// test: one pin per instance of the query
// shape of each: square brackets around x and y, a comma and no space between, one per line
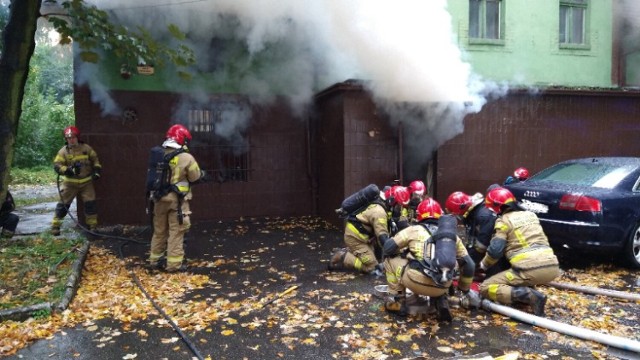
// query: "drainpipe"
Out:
[596,291]
[582,333]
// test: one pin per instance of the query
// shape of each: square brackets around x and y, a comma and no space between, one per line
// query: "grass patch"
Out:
[41,175]
[35,270]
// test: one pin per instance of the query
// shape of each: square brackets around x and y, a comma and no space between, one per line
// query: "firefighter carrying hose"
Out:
[366,230]
[519,237]
[423,257]
[79,165]
[171,212]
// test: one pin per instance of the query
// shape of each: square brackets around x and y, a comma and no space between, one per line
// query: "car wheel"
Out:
[632,250]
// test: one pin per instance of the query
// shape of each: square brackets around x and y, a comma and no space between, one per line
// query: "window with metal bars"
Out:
[219,133]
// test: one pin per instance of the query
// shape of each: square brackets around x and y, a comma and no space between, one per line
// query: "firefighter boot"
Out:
[526,295]
[337,259]
[397,305]
[55,230]
[443,313]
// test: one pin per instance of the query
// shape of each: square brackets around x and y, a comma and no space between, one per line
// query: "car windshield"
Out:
[600,175]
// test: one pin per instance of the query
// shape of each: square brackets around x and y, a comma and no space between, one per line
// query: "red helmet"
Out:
[458,203]
[428,209]
[496,198]
[417,187]
[397,195]
[521,174]
[70,131]
[179,134]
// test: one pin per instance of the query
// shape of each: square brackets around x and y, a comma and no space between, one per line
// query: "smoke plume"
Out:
[404,51]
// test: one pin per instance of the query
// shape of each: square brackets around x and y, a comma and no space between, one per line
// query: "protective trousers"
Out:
[401,276]
[361,255]
[86,192]
[168,232]
[498,287]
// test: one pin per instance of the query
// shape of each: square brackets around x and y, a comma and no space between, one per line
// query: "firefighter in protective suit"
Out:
[79,165]
[171,212]
[479,222]
[423,257]
[417,189]
[518,237]
[368,229]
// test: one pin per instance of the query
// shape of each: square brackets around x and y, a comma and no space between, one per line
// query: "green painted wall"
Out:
[530,54]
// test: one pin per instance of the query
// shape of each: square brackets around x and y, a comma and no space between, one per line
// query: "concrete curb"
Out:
[25,312]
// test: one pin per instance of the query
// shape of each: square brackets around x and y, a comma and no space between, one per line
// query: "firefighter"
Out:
[8,220]
[518,237]
[171,212]
[417,191]
[477,219]
[423,257]
[78,163]
[519,174]
[368,229]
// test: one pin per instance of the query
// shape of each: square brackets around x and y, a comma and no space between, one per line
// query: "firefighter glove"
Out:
[76,168]
[68,172]
[96,173]
[470,300]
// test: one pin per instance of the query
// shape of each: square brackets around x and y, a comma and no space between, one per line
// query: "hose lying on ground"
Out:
[596,291]
[582,333]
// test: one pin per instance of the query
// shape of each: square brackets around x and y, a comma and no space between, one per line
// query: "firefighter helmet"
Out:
[458,203]
[428,209]
[397,195]
[417,187]
[521,174]
[179,134]
[71,131]
[497,198]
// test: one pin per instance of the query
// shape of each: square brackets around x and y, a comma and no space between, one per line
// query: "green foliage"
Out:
[35,270]
[93,31]
[47,106]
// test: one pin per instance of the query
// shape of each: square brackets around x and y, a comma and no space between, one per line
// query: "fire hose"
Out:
[582,333]
[136,280]
[596,291]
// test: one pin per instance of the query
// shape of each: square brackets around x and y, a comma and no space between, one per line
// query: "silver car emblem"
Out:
[531,194]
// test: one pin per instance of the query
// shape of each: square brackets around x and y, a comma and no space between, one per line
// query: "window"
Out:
[220,132]
[485,19]
[573,19]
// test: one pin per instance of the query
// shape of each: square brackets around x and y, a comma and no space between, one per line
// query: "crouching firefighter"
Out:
[365,229]
[172,171]
[519,237]
[423,258]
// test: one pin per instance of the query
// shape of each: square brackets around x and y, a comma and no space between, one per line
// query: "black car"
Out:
[589,204]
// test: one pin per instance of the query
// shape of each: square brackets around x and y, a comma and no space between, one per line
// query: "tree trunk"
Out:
[18,45]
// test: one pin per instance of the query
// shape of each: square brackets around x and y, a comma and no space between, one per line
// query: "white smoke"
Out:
[404,51]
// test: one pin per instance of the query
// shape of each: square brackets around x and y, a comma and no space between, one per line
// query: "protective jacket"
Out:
[520,238]
[479,224]
[78,164]
[171,213]
[405,271]
[81,159]
[361,235]
[526,245]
